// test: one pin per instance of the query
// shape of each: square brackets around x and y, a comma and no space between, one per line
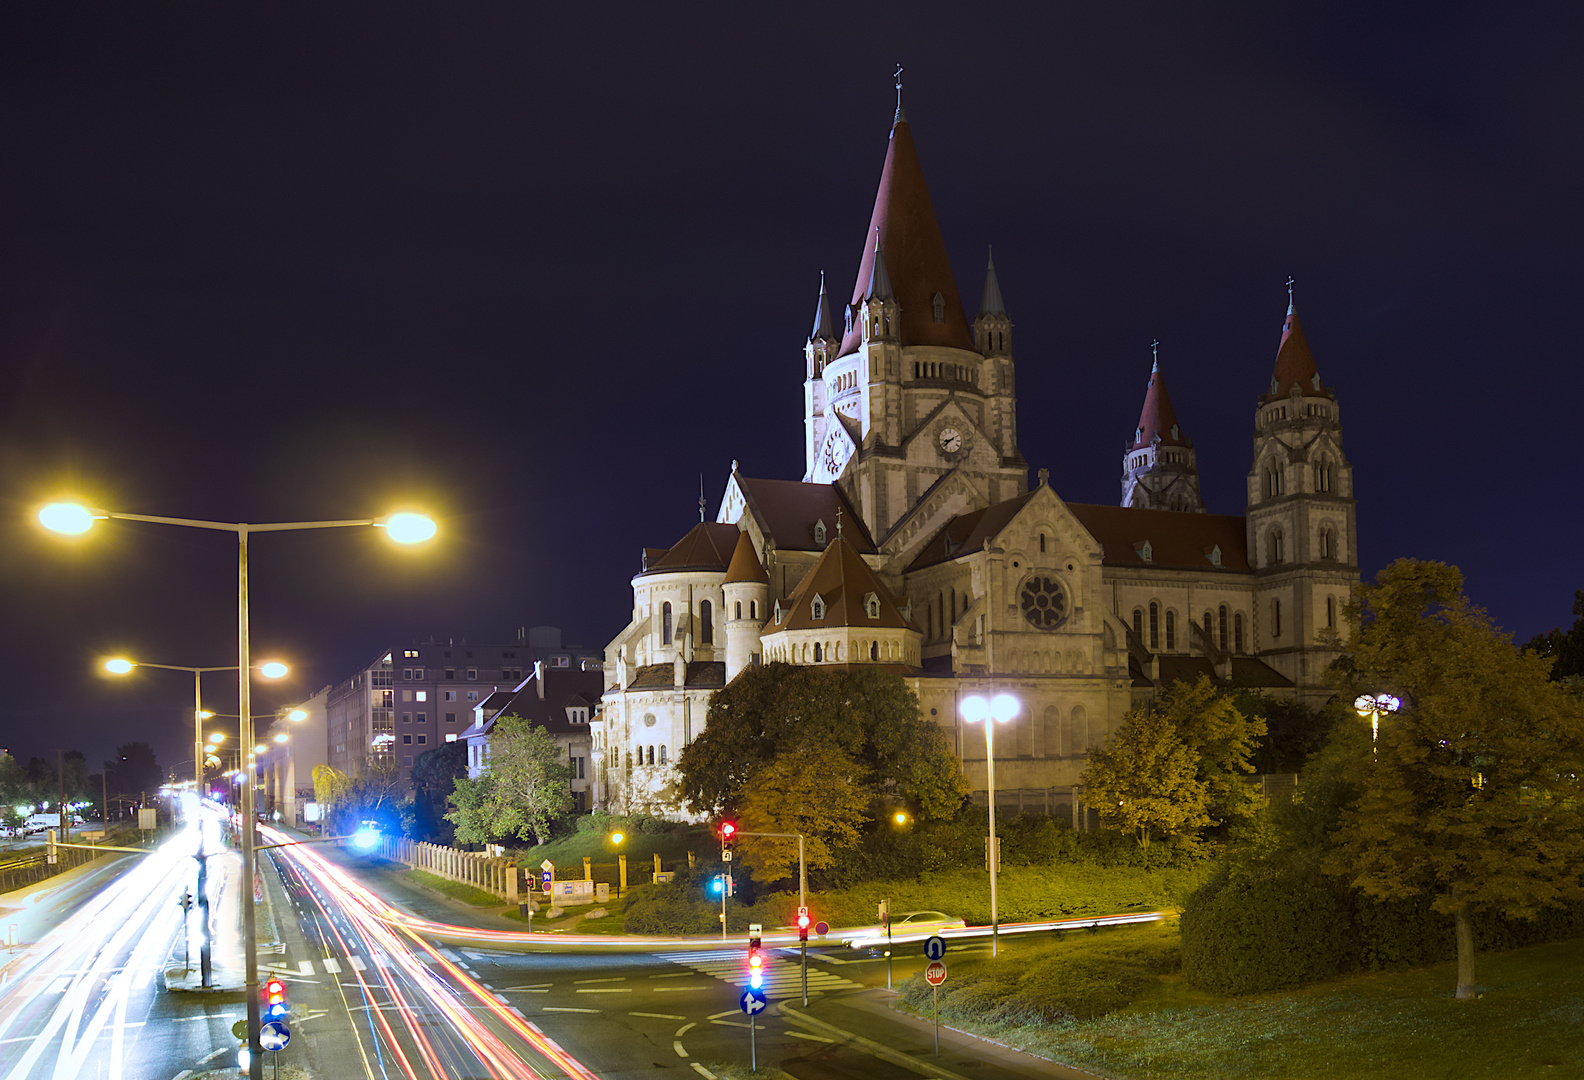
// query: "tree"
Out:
[869,716]
[434,777]
[1222,739]
[1565,650]
[527,788]
[13,781]
[134,769]
[1146,778]
[1471,795]
[819,792]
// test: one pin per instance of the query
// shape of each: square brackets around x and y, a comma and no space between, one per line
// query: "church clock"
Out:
[834,456]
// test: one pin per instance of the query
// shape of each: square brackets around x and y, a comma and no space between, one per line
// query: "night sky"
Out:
[536,272]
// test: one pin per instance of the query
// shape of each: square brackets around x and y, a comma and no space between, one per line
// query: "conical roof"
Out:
[1294,362]
[990,302]
[824,325]
[842,579]
[1157,417]
[879,277]
[707,546]
[745,564]
[915,253]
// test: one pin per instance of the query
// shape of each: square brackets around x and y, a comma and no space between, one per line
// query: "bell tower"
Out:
[1159,468]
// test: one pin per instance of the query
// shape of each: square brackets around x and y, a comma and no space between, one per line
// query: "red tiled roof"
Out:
[1177,541]
[1294,362]
[1157,416]
[745,564]
[914,253]
[707,546]
[700,675]
[788,509]
[967,533]
[842,580]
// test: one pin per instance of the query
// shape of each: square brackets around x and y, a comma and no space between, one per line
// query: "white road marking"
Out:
[519,1013]
[702,1071]
[581,982]
[677,989]
[810,1038]
[500,999]
[553,1008]
[305,967]
[677,1046]
[728,1012]
[603,990]
[212,1055]
[685,1028]
[183,1075]
[671,975]
[659,1016]
[207,1016]
[331,966]
[358,963]
[449,955]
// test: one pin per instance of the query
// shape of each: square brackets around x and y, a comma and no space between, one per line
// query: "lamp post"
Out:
[1372,706]
[72,518]
[998,710]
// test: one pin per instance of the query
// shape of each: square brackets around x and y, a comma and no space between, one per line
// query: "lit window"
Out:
[472,695]
[451,737]
[423,695]
[665,623]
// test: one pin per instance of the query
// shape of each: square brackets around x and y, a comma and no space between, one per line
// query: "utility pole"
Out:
[60,772]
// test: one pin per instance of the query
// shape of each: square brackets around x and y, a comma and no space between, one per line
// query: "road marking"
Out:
[212,1055]
[659,1016]
[207,1016]
[730,1023]
[702,1071]
[305,967]
[531,987]
[671,975]
[500,999]
[581,982]
[519,1013]
[677,1046]
[553,1008]
[183,1075]
[535,1027]
[604,990]
[449,955]
[486,986]
[142,979]
[331,966]
[728,1012]
[685,1028]
[358,963]
[810,1038]
[677,989]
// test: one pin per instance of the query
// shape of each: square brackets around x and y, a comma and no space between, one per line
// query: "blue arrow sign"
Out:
[935,947]
[274,1035]
[753,1001]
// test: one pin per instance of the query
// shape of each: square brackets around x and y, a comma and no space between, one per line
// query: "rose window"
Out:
[1044,603]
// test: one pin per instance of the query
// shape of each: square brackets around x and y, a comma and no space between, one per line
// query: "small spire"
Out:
[1155,352]
[879,279]
[824,325]
[702,503]
[838,522]
[1044,478]
[990,303]
[901,117]
[1291,307]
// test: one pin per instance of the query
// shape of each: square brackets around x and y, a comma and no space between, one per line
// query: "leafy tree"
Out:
[1565,650]
[434,776]
[868,716]
[1471,794]
[527,788]
[1222,738]
[330,788]
[1147,778]
[819,792]
[13,781]
[134,769]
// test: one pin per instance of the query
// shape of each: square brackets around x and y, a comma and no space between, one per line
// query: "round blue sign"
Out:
[753,1001]
[274,1035]
[935,947]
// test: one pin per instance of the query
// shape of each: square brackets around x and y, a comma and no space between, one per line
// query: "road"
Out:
[372,995]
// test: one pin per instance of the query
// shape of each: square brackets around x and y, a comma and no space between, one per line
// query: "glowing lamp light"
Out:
[282,737]
[728,829]
[715,886]
[297,716]
[900,818]
[273,670]
[756,970]
[260,748]
[118,666]
[365,838]
[409,528]
[617,837]
[66,518]
[217,738]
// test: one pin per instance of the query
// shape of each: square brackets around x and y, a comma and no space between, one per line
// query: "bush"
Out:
[667,910]
[1397,934]
[1261,933]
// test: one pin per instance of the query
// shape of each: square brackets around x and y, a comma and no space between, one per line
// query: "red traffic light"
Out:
[274,992]
[728,829]
[803,918]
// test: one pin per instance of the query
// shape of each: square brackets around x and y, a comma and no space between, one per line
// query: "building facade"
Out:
[561,700]
[914,541]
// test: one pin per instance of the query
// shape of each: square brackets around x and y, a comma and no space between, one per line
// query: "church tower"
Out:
[819,351]
[1159,467]
[1302,535]
[910,395]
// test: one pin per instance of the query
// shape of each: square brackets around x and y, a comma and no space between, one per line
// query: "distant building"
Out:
[410,699]
[287,767]
[563,701]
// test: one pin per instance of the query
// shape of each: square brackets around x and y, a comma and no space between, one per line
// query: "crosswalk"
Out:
[331,965]
[781,977]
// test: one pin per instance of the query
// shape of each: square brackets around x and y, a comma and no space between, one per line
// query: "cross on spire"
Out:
[1291,310]
[901,117]
[838,516]
[1155,355]
[702,502]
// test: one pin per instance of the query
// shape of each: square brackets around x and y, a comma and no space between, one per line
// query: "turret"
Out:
[1159,467]
[746,593]
[823,344]
[992,328]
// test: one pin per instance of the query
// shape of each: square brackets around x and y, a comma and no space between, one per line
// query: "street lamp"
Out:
[998,710]
[120,665]
[403,528]
[1372,706]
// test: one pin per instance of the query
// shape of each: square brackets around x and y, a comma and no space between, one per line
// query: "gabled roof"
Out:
[842,581]
[967,533]
[1247,671]
[1157,417]
[745,564]
[1177,541]
[1295,364]
[990,302]
[707,546]
[564,688]
[787,510]
[915,253]
[700,675]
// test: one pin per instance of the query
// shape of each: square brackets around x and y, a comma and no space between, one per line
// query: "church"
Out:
[914,542]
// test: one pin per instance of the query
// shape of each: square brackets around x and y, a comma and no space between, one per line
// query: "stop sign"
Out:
[935,974]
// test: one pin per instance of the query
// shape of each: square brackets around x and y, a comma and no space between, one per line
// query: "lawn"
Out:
[1364,1026]
[456,890]
[640,848]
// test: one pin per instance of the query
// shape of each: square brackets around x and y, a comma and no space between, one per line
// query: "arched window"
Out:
[738,609]
[706,623]
[874,650]
[1275,547]
[1275,618]
[1171,631]
[753,609]
[1237,632]
[1208,635]
[651,755]
[1331,613]
[1323,476]
[1273,480]
[1138,623]
[1042,543]
[1222,626]
[662,755]
[1327,545]
[665,623]
[1154,638]
[818,653]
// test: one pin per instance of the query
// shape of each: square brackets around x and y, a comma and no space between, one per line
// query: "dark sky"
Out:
[536,271]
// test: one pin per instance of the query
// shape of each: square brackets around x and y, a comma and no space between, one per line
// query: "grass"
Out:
[456,890]
[610,923]
[1364,1026]
[640,848]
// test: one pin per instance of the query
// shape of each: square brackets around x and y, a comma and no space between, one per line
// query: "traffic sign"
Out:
[726,855]
[753,1001]
[822,928]
[274,1036]
[239,1029]
[935,974]
[547,866]
[935,947]
[545,877]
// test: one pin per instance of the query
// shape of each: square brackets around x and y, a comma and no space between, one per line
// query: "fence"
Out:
[28,870]
[496,876]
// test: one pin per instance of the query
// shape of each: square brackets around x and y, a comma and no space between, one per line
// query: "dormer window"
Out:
[817,607]
[1214,555]
[872,605]
[1175,433]
[938,307]
[1145,551]
[849,330]
[819,533]
[778,614]
[1313,379]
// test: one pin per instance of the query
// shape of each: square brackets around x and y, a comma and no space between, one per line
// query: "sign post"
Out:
[273,1037]
[885,921]
[753,1003]
[547,875]
[935,974]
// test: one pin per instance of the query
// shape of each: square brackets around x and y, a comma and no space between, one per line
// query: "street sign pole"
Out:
[753,1044]
[935,1001]
[803,962]
[935,974]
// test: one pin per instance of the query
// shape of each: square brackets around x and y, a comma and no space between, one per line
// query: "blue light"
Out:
[715,887]
[756,980]
[365,839]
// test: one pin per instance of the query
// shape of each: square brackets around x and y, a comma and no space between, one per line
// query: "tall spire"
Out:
[901,117]
[1157,417]
[990,303]
[879,280]
[916,261]
[824,326]
[1295,364]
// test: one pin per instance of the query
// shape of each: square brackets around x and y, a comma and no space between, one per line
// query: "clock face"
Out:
[950,440]
[835,455]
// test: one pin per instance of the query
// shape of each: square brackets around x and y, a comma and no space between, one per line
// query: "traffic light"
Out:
[728,837]
[803,923]
[274,1000]
[755,957]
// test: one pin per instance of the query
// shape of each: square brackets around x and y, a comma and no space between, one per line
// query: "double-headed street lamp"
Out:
[271,670]
[72,518]
[997,710]
[1373,706]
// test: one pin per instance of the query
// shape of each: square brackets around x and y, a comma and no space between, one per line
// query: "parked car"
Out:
[37,823]
[905,926]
